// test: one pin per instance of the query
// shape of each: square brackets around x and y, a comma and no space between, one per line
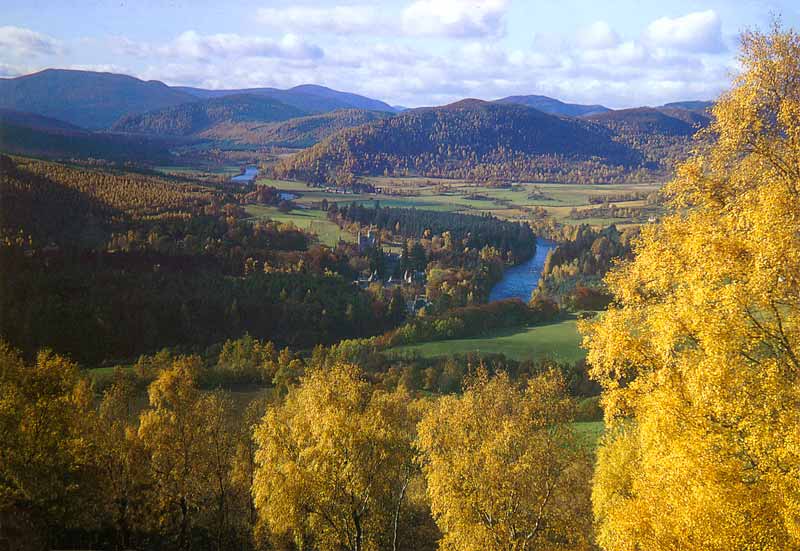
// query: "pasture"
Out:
[557,341]
[315,221]
[517,202]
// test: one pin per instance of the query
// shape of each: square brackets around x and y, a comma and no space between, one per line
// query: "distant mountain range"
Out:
[90,100]
[98,100]
[75,105]
[554,106]
[199,116]
[700,106]
[35,135]
[308,98]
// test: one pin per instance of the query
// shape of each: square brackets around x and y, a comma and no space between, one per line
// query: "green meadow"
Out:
[557,341]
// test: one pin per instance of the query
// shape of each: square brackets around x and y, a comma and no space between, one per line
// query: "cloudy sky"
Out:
[619,53]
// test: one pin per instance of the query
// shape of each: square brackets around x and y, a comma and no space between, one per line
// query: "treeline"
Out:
[514,240]
[650,196]
[464,322]
[108,265]
[481,141]
[198,116]
[96,310]
[136,194]
[339,463]
[612,211]
[573,271]
[296,133]
[471,321]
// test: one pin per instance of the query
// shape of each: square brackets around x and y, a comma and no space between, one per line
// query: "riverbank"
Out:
[520,281]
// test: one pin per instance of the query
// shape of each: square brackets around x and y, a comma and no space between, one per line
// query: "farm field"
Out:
[515,203]
[558,341]
[227,170]
[313,220]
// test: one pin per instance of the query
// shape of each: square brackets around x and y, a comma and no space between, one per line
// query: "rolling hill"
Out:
[662,135]
[554,106]
[84,98]
[699,106]
[309,98]
[468,139]
[38,136]
[95,101]
[201,116]
[294,133]
[651,121]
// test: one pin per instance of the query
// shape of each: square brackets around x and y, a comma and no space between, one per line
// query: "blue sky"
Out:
[619,53]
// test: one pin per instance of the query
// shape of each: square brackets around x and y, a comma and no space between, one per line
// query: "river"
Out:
[520,281]
[248,176]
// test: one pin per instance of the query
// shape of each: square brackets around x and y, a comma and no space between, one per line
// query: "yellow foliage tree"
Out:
[504,470]
[332,462]
[122,460]
[47,466]
[699,355]
[191,444]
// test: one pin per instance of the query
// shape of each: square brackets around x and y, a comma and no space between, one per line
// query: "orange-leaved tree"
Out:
[699,356]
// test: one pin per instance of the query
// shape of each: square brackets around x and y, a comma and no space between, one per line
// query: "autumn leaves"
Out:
[699,355]
[339,466]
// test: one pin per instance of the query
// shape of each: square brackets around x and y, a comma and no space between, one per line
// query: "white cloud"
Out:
[337,19]
[598,36]
[626,53]
[192,45]
[97,67]
[665,61]
[455,18]
[696,32]
[25,42]
[9,70]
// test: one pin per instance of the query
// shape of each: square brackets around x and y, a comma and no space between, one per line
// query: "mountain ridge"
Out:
[199,116]
[554,106]
[480,140]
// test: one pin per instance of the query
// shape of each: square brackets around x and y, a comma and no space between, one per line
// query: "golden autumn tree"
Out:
[172,436]
[123,471]
[504,470]
[332,461]
[47,465]
[699,356]
[191,442]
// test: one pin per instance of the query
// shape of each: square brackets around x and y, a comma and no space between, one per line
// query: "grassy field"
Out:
[558,341]
[227,170]
[460,196]
[313,220]
[589,431]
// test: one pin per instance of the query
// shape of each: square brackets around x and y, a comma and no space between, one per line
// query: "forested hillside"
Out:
[29,134]
[554,106]
[662,135]
[201,116]
[469,139]
[484,141]
[310,98]
[124,263]
[298,132]
[84,98]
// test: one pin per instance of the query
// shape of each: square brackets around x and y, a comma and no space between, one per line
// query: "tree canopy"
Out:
[698,356]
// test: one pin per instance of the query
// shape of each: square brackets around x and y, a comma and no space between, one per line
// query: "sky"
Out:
[619,53]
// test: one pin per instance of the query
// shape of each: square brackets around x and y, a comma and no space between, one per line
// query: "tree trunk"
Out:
[357,521]
[184,543]
[397,512]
